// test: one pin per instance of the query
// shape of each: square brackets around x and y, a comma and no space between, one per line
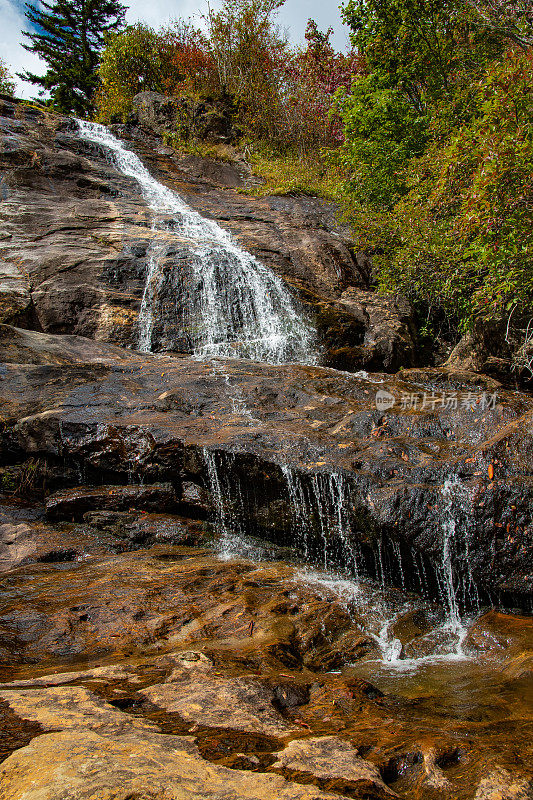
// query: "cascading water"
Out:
[456,506]
[202,288]
[448,542]
[322,532]
[225,302]
[321,509]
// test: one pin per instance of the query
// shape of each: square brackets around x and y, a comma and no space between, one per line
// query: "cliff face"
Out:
[76,233]
[391,477]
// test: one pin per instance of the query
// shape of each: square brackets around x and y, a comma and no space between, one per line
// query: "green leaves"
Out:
[382,132]
[464,231]
[439,144]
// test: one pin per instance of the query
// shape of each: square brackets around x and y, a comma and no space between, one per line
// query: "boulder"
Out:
[239,704]
[501,784]
[208,120]
[334,763]
[155,111]
[86,765]
[389,326]
[499,347]
[495,631]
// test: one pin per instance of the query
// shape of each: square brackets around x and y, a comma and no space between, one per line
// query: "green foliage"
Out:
[439,147]
[412,42]
[7,85]
[173,60]
[462,239]
[383,132]
[133,61]
[429,49]
[510,19]
[24,480]
[69,36]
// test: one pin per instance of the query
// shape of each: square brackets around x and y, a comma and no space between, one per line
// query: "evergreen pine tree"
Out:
[69,36]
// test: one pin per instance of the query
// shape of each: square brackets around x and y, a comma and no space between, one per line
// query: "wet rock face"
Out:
[207,681]
[88,766]
[76,239]
[207,677]
[334,762]
[26,537]
[150,601]
[72,243]
[74,503]
[302,445]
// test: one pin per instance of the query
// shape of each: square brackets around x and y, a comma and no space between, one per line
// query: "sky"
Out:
[293,17]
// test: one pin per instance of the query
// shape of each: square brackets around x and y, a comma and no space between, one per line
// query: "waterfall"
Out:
[224,301]
[320,512]
[203,289]
[455,574]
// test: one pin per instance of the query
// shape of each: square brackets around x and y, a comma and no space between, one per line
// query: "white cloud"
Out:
[293,16]
[161,12]
[295,13]
[11,50]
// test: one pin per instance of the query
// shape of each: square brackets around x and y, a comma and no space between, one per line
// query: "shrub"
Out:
[313,77]
[7,85]
[172,61]
[462,239]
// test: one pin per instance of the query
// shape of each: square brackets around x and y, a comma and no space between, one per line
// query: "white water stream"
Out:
[226,303]
[319,511]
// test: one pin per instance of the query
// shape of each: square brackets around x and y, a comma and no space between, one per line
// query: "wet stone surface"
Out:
[294,454]
[176,642]
[232,580]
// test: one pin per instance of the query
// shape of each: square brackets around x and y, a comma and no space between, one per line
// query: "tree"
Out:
[383,131]
[132,62]
[250,54]
[424,59]
[511,19]
[7,85]
[175,61]
[461,241]
[69,36]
